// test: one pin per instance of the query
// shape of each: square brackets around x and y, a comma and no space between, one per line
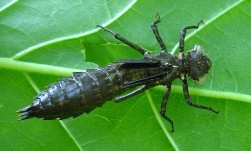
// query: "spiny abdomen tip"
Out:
[25,112]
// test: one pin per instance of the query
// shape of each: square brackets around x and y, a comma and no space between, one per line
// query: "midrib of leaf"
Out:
[211,93]
[11,64]
[61,71]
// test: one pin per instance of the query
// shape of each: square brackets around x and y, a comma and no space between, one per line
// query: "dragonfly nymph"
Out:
[84,91]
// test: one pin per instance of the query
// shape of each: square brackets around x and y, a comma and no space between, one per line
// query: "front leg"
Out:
[189,101]
[182,38]
[157,35]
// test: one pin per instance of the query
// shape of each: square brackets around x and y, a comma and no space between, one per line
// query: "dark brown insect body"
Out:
[84,91]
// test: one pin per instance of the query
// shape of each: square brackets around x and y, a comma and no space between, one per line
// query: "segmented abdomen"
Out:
[80,93]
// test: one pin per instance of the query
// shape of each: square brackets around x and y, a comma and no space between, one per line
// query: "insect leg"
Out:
[156,34]
[163,106]
[189,101]
[182,38]
[124,40]
[133,93]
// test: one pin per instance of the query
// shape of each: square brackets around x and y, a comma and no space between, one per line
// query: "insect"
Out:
[84,91]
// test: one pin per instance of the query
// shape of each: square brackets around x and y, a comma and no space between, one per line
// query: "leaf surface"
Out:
[42,41]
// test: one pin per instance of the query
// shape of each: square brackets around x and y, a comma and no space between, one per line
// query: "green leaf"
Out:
[42,41]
